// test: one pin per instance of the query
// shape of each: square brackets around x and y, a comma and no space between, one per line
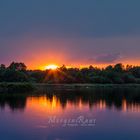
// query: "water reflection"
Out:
[14,102]
[56,100]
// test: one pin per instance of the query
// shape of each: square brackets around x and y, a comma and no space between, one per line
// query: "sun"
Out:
[51,67]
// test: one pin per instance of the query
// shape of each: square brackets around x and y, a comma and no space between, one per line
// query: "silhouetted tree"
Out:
[17,66]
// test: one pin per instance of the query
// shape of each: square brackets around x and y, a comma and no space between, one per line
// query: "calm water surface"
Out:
[27,116]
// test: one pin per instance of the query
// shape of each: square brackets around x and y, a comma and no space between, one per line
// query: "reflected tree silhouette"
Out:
[110,97]
[15,102]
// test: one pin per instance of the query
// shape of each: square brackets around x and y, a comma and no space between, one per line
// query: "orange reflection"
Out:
[130,107]
[44,104]
[53,106]
[56,106]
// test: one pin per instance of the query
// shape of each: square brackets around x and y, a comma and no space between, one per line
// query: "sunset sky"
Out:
[71,32]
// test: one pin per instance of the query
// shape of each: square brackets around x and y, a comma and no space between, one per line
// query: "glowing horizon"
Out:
[54,66]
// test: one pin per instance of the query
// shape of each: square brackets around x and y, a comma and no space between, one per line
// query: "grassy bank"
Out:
[16,87]
[63,87]
[86,85]
[28,87]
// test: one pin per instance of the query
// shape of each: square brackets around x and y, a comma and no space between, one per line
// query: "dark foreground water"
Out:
[86,114]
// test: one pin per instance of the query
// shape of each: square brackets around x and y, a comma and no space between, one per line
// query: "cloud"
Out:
[106,58]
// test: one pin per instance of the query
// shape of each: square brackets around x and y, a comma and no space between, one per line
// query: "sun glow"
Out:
[52,67]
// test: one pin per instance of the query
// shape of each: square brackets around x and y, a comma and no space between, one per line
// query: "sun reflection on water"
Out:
[55,106]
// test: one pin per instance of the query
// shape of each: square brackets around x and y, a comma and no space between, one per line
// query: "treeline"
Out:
[117,74]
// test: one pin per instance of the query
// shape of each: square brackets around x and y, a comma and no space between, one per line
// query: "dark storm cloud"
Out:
[69,18]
